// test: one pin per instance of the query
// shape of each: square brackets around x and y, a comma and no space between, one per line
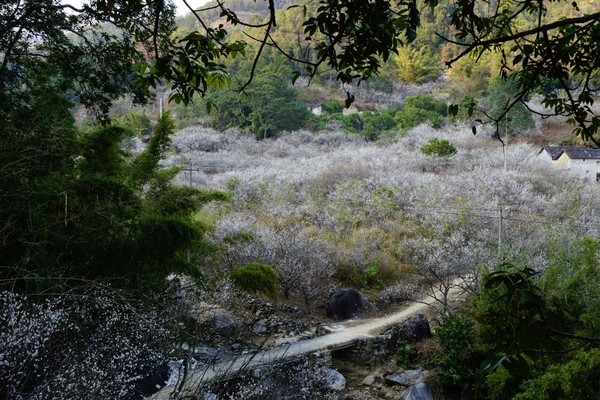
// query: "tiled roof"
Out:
[555,151]
[574,153]
[583,153]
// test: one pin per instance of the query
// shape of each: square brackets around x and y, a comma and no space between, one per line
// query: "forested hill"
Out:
[420,64]
[246,9]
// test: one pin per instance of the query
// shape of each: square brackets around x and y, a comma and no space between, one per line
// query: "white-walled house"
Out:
[584,162]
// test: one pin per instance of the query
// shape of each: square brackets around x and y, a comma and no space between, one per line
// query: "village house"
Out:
[584,162]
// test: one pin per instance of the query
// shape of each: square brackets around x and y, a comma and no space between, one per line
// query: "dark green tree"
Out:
[267,107]
[509,120]
[439,148]
[532,337]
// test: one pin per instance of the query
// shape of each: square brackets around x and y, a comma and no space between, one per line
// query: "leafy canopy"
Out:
[439,148]
[351,37]
[354,37]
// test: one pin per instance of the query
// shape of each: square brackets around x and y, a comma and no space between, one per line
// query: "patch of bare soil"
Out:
[555,131]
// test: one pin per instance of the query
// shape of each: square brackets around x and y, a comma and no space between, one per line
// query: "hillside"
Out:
[266,200]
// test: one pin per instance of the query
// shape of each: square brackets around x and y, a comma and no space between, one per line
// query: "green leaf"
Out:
[492,363]
[517,366]
[453,110]
[517,59]
[295,76]
[349,99]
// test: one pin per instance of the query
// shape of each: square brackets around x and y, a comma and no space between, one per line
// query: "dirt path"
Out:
[342,335]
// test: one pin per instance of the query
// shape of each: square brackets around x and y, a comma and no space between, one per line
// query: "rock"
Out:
[260,326]
[407,378]
[413,330]
[333,379]
[205,353]
[221,320]
[421,391]
[369,380]
[345,304]
[286,341]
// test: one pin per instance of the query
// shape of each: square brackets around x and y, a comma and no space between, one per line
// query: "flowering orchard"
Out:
[329,209]
[77,346]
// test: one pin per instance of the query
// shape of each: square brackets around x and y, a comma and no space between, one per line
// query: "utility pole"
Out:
[190,169]
[505,144]
[499,229]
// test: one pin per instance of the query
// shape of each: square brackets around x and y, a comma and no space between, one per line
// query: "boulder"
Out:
[410,377]
[369,380]
[260,326]
[205,353]
[333,379]
[221,320]
[413,330]
[421,391]
[345,304]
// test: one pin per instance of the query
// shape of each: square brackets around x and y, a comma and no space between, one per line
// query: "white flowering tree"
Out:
[91,344]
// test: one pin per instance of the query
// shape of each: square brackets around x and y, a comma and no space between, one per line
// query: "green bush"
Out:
[371,276]
[350,275]
[421,109]
[439,148]
[137,123]
[411,117]
[267,108]
[453,359]
[332,107]
[428,103]
[257,277]
[353,123]
[576,379]
[378,123]
[406,354]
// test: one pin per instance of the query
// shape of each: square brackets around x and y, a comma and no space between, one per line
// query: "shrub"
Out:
[406,354]
[575,379]
[257,277]
[136,123]
[353,123]
[371,278]
[349,275]
[452,361]
[332,107]
[427,102]
[422,109]
[411,117]
[439,148]
[377,123]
